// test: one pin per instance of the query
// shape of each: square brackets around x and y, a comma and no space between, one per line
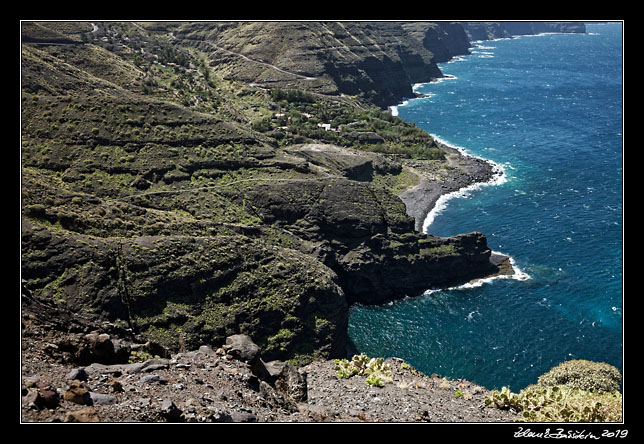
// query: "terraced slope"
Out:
[176,185]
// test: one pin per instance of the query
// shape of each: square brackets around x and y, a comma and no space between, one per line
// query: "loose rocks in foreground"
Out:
[233,384]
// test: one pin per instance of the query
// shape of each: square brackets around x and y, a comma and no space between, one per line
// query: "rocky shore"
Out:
[466,171]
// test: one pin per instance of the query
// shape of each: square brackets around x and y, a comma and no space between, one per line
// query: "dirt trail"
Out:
[269,65]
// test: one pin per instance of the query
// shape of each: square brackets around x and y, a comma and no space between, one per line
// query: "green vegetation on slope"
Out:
[573,391]
[145,176]
[300,117]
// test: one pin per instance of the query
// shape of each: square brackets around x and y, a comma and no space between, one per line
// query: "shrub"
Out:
[375,369]
[574,391]
[582,374]
[291,96]
[262,125]
[560,404]
[374,379]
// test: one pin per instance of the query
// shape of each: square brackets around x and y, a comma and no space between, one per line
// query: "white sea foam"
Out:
[481,53]
[517,274]
[478,42]
[499,177]
[445,77]
[394,108]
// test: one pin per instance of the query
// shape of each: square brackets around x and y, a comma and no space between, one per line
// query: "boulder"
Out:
[234,416]
[242,417]
[30,398]
[48,396]
[242,347]
[153,378]
[288,380]
[118,369]
[40,395]
[101,348]
[87,414]
[92,347]
[79,374]
[78,393]
[102,399]
[170,411]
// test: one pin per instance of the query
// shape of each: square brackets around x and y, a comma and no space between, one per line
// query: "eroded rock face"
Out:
[206,287]
[382,271]
[365,237]
[378,61]
[350,242]
[182,223]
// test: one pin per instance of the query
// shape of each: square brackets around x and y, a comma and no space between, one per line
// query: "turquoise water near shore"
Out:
[548,108]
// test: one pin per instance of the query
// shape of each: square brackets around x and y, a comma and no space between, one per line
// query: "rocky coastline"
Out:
[421,199]
[180,267]
[75,373]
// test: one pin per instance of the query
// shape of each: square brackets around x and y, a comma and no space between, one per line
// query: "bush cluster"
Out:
[574,391]
[292,96]
[365,129]
[376,371]
[582,374]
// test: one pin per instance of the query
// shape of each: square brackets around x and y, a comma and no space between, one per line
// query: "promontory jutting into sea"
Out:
[548,109]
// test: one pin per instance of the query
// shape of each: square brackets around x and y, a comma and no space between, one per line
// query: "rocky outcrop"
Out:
[444,40]
[181,291]
[338,161]
[365,237]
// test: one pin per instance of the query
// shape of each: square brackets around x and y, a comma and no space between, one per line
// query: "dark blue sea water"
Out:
[548,109]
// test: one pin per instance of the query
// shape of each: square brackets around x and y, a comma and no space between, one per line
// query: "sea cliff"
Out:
[497,30]
[187,194]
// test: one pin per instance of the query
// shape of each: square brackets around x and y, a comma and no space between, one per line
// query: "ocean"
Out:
[547,109]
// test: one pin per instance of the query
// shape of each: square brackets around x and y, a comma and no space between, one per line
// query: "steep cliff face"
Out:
[190,290]
[366,238]
[443,39]
[496,30]
[378,61]
[150,198]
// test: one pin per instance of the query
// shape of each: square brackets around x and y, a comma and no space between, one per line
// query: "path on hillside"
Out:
[269,65]
[209,187]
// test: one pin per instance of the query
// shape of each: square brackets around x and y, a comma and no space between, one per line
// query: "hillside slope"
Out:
[168,198]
